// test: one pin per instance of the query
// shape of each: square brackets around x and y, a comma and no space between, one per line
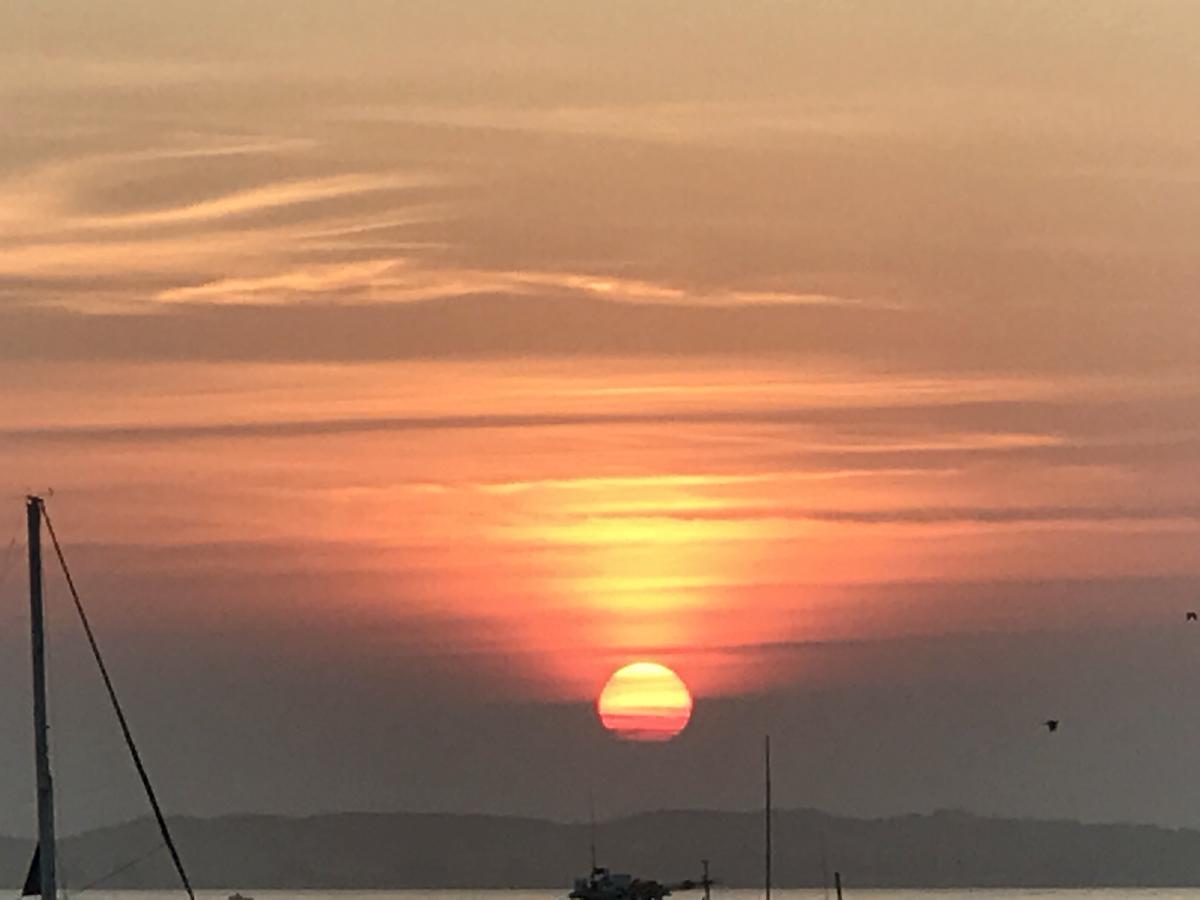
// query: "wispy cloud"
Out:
[990,515]
[258,200]
[399,280]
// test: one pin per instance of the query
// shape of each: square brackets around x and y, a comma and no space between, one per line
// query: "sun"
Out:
[644,701]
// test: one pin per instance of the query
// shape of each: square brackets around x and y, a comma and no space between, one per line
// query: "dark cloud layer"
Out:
[516,326]
[955,722]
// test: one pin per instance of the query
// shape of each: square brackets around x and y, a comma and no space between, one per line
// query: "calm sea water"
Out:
[988,894]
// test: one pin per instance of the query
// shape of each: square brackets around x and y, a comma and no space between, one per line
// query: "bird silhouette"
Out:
[1191,615]
[1051,725]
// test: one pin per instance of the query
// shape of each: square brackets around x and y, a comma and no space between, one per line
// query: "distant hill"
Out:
[409,850]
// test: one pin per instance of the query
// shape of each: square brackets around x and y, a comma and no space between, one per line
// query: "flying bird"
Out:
[1191,615]
[1051,725]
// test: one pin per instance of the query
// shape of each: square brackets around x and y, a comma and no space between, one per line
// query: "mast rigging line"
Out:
[116,705]
[124,867]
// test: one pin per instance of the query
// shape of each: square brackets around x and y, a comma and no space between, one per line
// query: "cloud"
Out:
[257,200]
[976,515]
[846,448]
[489,325]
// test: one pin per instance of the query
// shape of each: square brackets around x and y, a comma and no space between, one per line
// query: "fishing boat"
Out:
[603,884]
[42,878]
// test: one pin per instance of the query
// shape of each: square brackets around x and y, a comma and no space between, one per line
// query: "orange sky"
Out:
[548,337]
[689,512]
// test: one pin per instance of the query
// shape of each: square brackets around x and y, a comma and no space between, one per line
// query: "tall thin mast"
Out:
[767,814]
[41,736]
[592,827]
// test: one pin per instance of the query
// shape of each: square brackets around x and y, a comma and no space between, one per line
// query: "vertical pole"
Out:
[41,737]
[592,827]
[707,881]
[837,883]
[767,812]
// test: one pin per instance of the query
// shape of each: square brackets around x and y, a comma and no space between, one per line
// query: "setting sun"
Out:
[645,701]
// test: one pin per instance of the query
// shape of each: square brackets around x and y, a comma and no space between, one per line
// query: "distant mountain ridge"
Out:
[421,850]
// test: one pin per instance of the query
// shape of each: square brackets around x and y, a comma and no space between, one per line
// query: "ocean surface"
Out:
[849,893]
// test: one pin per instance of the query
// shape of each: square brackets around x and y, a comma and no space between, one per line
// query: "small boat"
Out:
[602,884]
[42,878]
[237,895]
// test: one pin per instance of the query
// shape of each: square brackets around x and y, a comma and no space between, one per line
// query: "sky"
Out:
[403,369]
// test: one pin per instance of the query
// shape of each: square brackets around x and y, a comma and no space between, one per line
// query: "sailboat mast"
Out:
[767,814]
[592,827]
[41,736]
